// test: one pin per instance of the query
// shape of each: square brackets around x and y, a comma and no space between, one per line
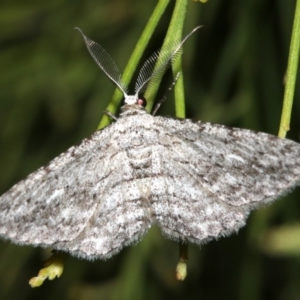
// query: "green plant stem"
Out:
[135,58]
[174,33]
[291,74]
[176,27]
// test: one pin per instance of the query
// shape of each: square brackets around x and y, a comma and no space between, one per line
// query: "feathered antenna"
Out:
[105,62]
[149,71]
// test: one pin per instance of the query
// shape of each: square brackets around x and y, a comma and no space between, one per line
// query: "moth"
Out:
[197,181]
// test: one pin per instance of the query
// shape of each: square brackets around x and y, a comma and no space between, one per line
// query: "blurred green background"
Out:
[52,95]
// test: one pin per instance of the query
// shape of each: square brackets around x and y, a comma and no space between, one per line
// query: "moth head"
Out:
[130,99]
[135,99]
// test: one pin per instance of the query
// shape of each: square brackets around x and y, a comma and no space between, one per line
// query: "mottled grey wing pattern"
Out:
[216,175]
[120,218]
[188,211]
[197,181]
[77,203]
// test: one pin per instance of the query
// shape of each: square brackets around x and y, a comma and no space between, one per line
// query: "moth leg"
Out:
[163,99]
[108,113]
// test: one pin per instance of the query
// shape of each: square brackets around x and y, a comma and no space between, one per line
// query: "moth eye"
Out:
[141,101]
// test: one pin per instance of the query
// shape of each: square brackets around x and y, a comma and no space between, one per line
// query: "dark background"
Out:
[52,95]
